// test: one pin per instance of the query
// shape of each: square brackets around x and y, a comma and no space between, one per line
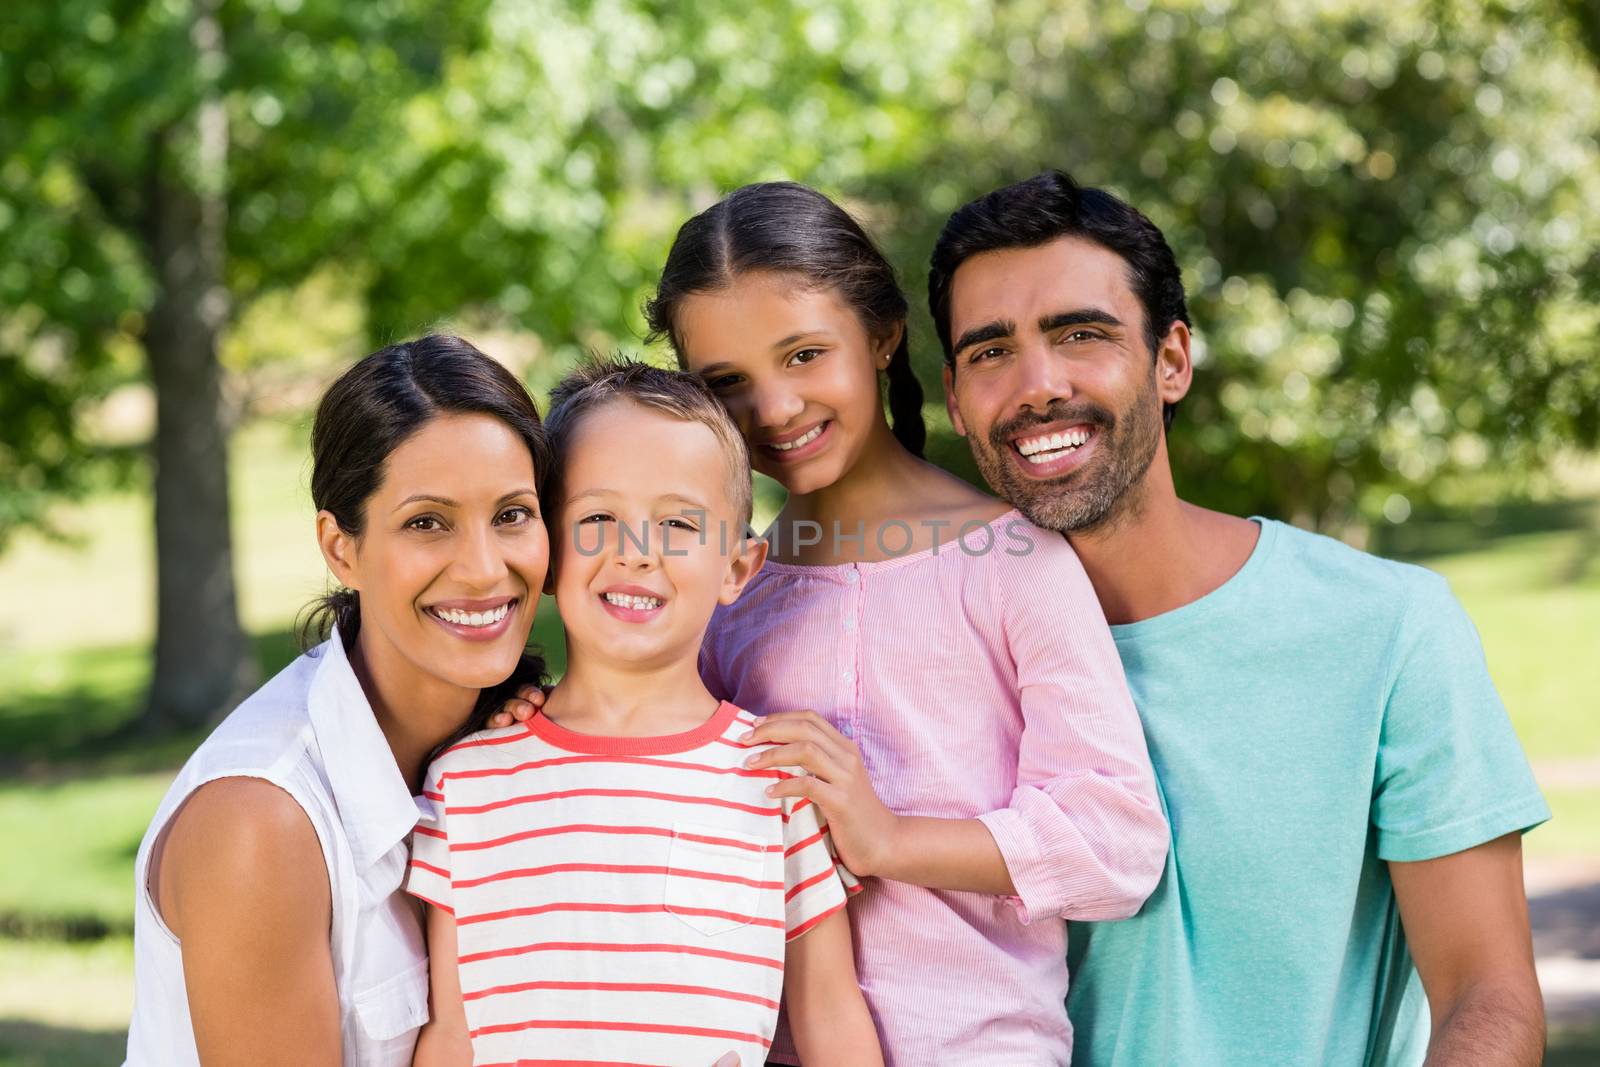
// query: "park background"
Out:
[1386,212]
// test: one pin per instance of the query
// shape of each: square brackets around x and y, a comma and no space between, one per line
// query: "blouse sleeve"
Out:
[1083,836]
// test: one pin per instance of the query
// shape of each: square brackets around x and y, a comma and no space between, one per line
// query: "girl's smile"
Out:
[799,445]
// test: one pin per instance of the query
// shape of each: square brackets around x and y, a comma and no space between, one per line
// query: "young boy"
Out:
[608,882]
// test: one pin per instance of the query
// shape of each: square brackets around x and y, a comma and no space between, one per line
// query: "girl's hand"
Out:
[864,830]
[520,708]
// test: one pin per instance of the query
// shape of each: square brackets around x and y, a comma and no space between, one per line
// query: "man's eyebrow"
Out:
[1090,316]
[989,331]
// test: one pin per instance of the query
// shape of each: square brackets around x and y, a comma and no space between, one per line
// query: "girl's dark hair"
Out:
[788,228]
[371,410]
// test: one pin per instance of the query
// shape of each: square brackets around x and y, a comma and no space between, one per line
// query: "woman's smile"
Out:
[475,620]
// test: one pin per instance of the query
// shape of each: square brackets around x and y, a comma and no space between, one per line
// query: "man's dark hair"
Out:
[1042,209]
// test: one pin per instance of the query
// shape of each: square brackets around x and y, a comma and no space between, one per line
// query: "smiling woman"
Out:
[268,922]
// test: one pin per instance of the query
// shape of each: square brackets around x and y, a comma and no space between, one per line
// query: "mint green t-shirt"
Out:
[1323,712]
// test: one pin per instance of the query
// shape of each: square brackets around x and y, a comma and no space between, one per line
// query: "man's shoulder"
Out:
[1348,573]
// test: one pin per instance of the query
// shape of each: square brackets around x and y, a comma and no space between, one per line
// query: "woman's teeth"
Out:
[637,603]
[1049,447]
[473,618]
[804,439]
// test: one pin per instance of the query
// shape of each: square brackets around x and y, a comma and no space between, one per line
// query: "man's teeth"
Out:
[637,603]
[804,439]
[473,618]
[1051,446]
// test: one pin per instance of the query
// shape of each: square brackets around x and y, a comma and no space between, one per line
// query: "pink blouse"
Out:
[980,680]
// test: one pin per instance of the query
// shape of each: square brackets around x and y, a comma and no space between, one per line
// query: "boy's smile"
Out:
[647,541]
[632,603]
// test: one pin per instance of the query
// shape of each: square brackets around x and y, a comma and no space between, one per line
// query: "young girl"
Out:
[269,926]
[974,746]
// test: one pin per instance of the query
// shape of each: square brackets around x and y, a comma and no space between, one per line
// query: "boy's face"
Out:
[646,542]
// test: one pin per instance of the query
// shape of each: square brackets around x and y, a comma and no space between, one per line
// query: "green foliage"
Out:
[96,98]
[1386,212]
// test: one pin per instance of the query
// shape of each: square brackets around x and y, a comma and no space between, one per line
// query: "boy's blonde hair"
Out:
[597,382]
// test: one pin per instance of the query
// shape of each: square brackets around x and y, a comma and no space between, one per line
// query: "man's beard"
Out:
[1089,496]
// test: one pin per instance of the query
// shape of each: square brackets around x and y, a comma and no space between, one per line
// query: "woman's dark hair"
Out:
[371,410]
[1038,211]
[787,228]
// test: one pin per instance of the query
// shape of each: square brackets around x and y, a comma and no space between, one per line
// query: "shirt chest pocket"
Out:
[714,878]
[387,1017]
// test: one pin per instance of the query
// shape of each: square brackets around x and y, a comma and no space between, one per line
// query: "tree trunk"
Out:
[203,661]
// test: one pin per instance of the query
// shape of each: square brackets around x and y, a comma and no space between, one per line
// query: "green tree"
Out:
[165,163]
[1386,211]
[1386,214]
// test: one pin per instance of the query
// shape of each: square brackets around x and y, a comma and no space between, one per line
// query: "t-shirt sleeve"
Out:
[428,876]
[1082,835]
[814,886]
[1451,773]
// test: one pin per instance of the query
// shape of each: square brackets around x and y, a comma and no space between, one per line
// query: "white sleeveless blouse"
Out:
[310,732]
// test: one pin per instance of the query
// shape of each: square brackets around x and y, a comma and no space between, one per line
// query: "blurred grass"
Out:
[80,837]
[97,589]
[1530,577]
[1574,826]
[1574,1048]
[78,794]
[64,1005]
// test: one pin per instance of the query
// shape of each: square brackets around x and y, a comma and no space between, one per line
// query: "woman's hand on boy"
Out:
[863,828]
[520,708]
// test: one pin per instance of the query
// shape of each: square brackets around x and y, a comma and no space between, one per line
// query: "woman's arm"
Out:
[444,1041]
[242,883]
[828,1017]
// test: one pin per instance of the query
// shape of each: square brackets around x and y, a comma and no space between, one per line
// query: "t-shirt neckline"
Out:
[1198,610]
[552,732]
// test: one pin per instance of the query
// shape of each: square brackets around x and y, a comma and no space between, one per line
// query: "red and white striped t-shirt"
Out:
[620,900]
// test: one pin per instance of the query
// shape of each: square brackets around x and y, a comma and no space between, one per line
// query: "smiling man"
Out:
[1345,791]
